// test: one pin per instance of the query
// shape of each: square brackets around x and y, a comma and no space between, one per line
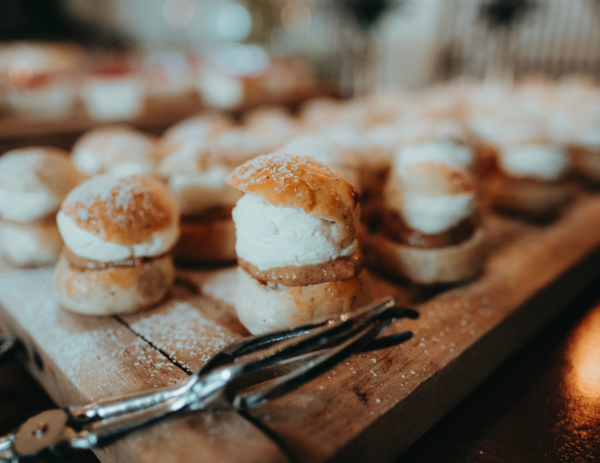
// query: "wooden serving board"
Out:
[370,408]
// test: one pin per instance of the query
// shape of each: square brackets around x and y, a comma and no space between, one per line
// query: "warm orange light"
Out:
[296,16]
[585,358]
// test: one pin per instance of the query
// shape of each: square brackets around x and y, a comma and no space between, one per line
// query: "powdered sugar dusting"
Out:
[279,167]
[183,333]
[99,356]
[132,203]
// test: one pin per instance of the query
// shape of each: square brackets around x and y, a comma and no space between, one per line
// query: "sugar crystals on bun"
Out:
[118,234]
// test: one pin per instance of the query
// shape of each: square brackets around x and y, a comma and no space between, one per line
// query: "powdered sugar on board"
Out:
[100,356]
[182,330]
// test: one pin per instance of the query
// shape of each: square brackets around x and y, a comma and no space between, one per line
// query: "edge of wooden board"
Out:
[379,444]
[135,365]
[525,284]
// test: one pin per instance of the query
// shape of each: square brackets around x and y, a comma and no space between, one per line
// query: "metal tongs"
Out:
[222,383]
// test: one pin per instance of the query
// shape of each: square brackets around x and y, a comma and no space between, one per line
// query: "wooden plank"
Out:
[80,359]
[371,407]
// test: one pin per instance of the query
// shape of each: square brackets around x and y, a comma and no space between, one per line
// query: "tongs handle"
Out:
[320,345]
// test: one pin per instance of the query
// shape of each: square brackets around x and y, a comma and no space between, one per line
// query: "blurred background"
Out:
[70,60]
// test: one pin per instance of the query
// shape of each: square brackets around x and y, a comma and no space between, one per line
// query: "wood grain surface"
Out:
[370,408]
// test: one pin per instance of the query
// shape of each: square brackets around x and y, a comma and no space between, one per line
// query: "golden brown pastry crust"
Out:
[292,181]
[530,197]
[115,290]
[450,264]
[124,210]
[261,308]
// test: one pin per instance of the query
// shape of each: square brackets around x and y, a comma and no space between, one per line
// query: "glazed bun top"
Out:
[34,181]
[118,150]
[135,213]
[304,183]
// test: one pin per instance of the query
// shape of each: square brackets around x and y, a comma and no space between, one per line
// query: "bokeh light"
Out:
[178,13]
[296,16]
[241,60]
[20,72]
[585,359]
[231,22]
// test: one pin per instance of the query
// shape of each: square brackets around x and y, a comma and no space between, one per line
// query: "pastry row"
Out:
[56,81]
[388,179]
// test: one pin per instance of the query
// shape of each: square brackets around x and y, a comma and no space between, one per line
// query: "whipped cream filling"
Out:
[27,206]
[89,246]
[269,236]
[536,161]
[199,191]
[440,151]
[436,214]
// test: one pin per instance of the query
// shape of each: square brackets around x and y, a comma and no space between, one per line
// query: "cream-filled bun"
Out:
[116,150]
[302,208]
[296,243]
[431,197]
[197,176]
[431,233]
[321,148]
[530,177]
[110,219]
[118,233]
[33,183]
[192,133]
